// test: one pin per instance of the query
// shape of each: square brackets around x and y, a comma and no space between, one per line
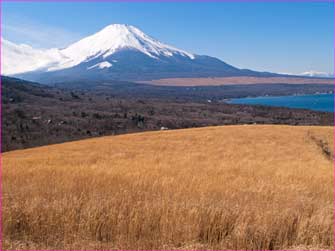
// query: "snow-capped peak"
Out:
[113,38]
[23,58]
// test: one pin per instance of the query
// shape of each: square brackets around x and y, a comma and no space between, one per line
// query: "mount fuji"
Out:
[117,52]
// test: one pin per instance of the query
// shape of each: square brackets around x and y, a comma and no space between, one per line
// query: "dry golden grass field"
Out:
[217,81]
[229,187]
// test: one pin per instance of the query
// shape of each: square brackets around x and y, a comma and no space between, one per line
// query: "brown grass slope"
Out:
[217,81]
[230,187]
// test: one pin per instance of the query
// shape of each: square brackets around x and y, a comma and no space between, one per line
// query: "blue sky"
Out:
[289,37]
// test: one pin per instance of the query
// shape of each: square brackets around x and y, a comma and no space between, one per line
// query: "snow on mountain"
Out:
[117,52]
[314,74]
[101,65]
[23,58]
[112,39]
[106,42]
[317,74]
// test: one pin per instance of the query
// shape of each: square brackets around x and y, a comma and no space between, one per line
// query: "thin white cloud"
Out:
[23,30]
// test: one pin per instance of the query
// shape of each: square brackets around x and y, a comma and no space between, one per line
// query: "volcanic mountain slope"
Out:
[115,52]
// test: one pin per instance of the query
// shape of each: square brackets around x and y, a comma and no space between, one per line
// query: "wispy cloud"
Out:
[23,30]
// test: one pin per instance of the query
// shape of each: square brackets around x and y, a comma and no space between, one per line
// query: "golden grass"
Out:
[217,81]
[230,187]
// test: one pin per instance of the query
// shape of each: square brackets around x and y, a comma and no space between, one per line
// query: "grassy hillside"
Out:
[230,187]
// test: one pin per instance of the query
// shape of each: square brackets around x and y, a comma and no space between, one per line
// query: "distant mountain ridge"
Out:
[317,74]
[117,52]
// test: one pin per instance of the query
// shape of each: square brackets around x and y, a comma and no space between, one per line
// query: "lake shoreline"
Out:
[323,102]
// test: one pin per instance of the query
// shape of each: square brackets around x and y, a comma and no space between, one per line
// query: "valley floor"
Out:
[35,115]
[241,80]
[229,187]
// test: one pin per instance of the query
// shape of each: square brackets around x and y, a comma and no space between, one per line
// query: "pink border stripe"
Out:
[334,137]
[0,129]
[169,250]
[175,1]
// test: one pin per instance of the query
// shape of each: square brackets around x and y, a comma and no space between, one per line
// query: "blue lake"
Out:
[317,102]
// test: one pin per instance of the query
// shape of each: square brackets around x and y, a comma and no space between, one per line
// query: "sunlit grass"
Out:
[231,187]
